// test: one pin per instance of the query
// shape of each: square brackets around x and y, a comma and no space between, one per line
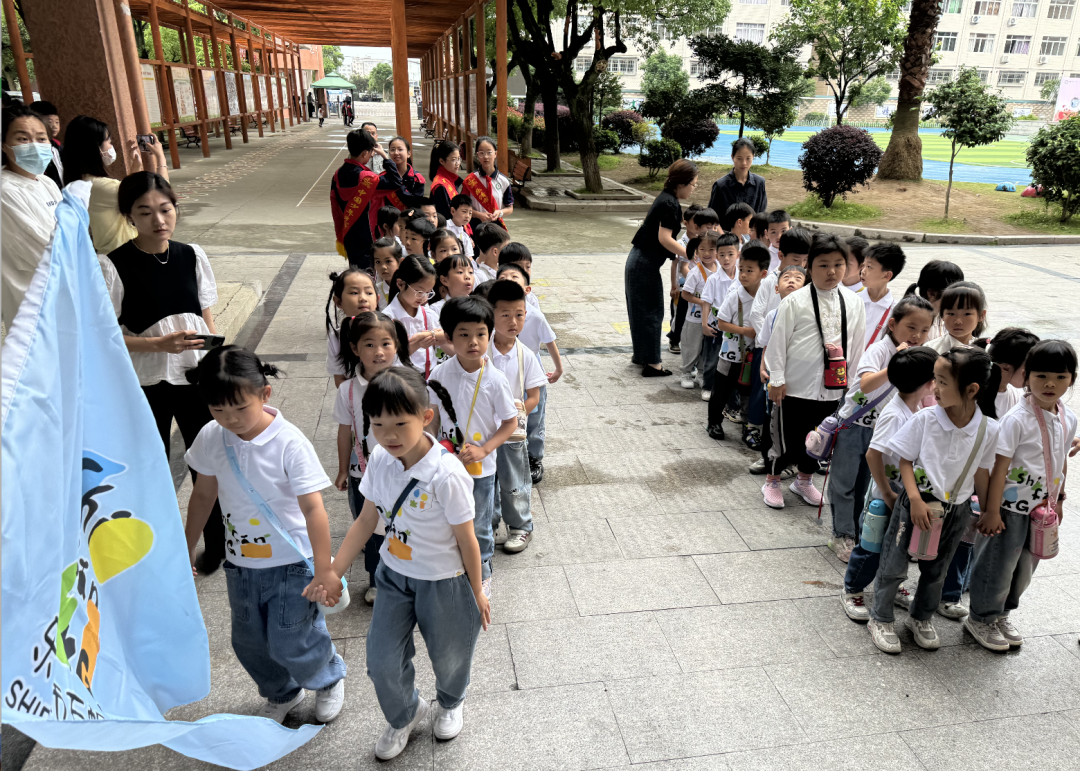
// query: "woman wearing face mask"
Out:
[87,154]
[27,204]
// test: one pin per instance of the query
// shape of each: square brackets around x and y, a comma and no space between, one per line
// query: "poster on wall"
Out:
[471,93]
[262,92]
[461,98]
[150,94]
[185,97]
[249,95]
[279,94]
[1068,99]
[213,104]
[230,93]
[881,111]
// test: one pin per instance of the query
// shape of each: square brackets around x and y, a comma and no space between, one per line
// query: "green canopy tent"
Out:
[333,80]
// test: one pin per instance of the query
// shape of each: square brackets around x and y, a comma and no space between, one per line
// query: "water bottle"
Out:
[819,442]
[924,543]
[971,529]
[1044,532]
[875,520]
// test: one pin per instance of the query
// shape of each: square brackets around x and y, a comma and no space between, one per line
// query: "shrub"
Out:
[837,160]
[643,132]
[814,116]
[607,141]
[658,154]
[693,136]
[513,127]
[538,131]
[1052,157]
[622,123]
[761,144]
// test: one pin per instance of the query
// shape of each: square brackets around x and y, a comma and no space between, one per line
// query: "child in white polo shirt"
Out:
[713,294]
[882,264]
[273,534]
[490,240]
[697,349]
[476,409]
[412,288]
[460,215]
[857,246]
[779,222]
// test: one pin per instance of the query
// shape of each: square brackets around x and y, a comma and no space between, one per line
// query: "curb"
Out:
[915,237]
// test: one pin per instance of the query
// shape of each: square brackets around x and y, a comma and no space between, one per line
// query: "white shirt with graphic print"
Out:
[1020,439]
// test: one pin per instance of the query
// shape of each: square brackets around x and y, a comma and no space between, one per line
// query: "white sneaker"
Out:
[687,381]
[501,534]
[277,712]
[328,703]
[986,635]
[904,598]
[757,467]
[705,395]
[884,636]
[841,547]
[393,740]
[953,610]
[448,723]
[926,636]
[370,594]
[1009,632]
[855,606]
[518,541]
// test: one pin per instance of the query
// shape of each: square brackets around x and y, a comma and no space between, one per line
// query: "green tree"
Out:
[1052,156]
[903,157]
[1049,90]
[972,115]
[381,79]
[874,92]
[331,58]
[665,86]
[361,83]
[607,94]
[853,42]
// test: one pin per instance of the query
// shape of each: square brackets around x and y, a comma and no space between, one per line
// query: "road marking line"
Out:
[332,161]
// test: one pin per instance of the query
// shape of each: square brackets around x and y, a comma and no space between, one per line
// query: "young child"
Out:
[535,332]
[387,254]
[389,223]
[518,254]
[445,182]
[698,219]
[266,558]
[963,315]
[779,223]
[857,246]
[817,338]
[411,289]
[428,212]
[1037,428]
[352,292]
[492,198]
[460,215]
[696,348]
[911,373]
[849,474]
[490,240]
[713,294]
[415,236]
[453,278]
[1009,349]
[733,320]
[429,573]
[477,412]
[935,277]
[737,220]
[882,263]
[946,453]
[442,244]
[513,483]
[371,342]
[759,227]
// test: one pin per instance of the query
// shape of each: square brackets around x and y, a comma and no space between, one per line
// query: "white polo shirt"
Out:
[877,313]
[762,340]
[483,273]
[945,343]
[426,319]
[1007,399]
[729,312]
[494,404]
[1021,440]
[535,331]
[774,258]
[695,284]
[532,372]
[875,359]
[894,417]
[716,289]
[532,300]
[420,541]
[465,238]
[334,365]
[765,301]
[281,464]
[348,411]
[939,451]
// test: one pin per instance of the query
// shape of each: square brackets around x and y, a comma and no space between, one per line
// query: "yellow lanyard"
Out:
[476,392]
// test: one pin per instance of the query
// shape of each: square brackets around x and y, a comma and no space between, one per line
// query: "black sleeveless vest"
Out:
[153,291]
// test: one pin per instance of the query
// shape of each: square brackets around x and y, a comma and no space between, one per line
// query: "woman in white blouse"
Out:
[163,292]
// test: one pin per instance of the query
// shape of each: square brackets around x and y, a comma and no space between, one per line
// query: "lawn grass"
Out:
[1045,221]
[811,208]
[951,225]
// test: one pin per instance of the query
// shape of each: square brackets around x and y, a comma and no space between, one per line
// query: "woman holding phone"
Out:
[162,292]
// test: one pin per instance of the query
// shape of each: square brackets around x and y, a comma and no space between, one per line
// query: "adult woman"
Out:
[445,182]
[655,243]
[162,292]
[28,201]
[88,150]
[739,184]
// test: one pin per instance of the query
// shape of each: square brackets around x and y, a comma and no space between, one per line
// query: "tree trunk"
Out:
[581,116]
[550,90]
[903,156]
[948,190]
[839,99]
[742,122]
[529,116]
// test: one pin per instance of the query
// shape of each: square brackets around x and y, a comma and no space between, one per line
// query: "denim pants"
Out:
[1001,570]
[513,488]
[644,287]
[483,490]
[849,478]
[710,357]
[374,543]
[691,345]
[863,564]
[758,399]
[956,578]
[535,427]
[279,637]
[449,622]
[893,569]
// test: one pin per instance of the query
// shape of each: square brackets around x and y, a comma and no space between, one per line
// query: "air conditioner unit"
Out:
[975,19]
[1012,21]
[1005,59]
[1043,59]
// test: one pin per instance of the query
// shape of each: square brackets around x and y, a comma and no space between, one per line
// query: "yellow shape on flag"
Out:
[118,544]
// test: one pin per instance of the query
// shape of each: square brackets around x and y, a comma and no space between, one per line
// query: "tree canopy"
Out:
[665,86]
[381,79]
[332,58]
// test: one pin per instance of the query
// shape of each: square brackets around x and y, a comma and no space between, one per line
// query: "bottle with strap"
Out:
[1043,541]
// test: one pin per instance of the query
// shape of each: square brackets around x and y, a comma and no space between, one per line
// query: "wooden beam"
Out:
[241,97]
[399,52]
[17,50]
[500,87]
[163,85]
[196,82]
[482,120]
[131,66]
[219,77]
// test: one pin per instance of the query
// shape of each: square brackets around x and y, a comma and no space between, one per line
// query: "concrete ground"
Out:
[663,618]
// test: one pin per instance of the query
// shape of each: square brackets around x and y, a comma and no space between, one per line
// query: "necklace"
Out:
[154,254]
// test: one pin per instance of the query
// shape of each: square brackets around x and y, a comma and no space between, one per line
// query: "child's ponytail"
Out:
[448,405]
[227,373]
[337,289]
[970,364]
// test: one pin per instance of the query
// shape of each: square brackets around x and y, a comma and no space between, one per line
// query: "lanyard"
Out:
[881,323]
[427,351]
[475,393]
[358,448]
[1051,491]
[843,323]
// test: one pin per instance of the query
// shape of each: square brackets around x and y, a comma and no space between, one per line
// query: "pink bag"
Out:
[1043,536]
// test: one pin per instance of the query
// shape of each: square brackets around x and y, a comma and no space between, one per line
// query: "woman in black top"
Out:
[655,243]
[739,185]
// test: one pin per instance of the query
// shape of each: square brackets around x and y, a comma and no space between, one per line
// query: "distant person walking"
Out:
[311,105]
[739,185]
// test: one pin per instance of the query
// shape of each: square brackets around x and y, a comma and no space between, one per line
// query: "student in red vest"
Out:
[352,192]
[411,193]
[445,182]
[488,187]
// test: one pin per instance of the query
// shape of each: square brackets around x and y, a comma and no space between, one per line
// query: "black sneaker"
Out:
[674,348]
[751,437]
[536,468]
[717,433]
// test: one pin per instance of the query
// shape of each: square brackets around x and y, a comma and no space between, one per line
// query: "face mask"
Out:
[33,157]
[109,156]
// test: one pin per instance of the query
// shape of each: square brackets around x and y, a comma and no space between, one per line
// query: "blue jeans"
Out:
[956,578]
[893,569]
[710,355]
[758,398]
[536,426]
[1002,569]
[279,637]
[483,490]
[862,565]
[374,543]
[449,622]
[513,488]
[849,478]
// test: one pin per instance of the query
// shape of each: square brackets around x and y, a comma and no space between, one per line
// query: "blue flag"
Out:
[101,623]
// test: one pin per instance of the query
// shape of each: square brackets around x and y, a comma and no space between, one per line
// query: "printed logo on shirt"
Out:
[892,473]
[397,535]
[860,400]
[251,546]
[922,481]
[1024,491]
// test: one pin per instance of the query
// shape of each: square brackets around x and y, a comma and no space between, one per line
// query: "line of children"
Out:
[699,350]
[386,254]
[490,240]
[458,223]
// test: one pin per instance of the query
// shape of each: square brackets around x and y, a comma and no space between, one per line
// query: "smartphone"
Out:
[209,341]
[146,141]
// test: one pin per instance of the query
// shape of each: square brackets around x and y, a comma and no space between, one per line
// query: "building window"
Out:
[1025,9]
[984,76]
[1053,46]
[1017,44]
[661,30]
[754,2]
[754,33]
[952,6]
[987,8]
[696,69]
[1043,77]
[1010,78]
[581,64]
[624,65]
[934,77]
[981,43]
[785,2]
[893,76]
[1060,9]
[945,41]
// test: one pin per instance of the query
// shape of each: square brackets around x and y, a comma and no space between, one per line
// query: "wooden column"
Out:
[196,82]
[219,73]
[500,89]
[17,50]
[448,101]
[210,63]
[289,86]
[399,53]
[240,96]
[131,64]
[256,95]
[482,121]
[163,84]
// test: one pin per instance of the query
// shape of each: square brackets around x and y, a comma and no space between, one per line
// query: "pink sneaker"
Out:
[771,492]
[804,488]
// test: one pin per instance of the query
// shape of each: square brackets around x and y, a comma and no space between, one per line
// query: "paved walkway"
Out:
[662,618]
